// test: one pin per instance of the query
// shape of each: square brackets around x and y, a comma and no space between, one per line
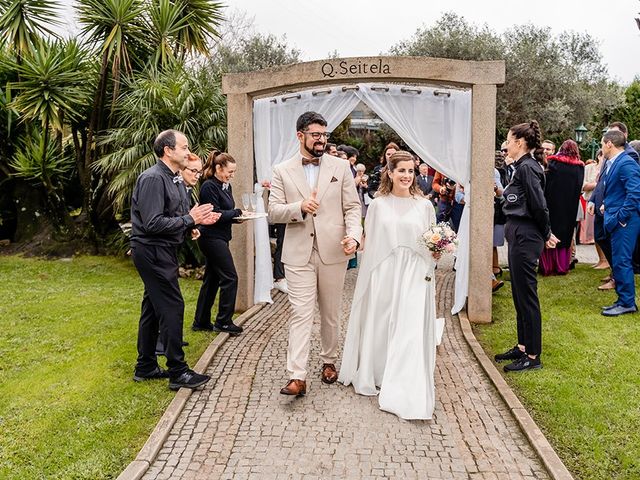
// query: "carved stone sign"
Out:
[335,68]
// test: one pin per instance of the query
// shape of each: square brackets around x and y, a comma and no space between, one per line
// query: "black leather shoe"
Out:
[524,363]
[157,374]
[230,328]
[188,379]
[199,328]
[513,354]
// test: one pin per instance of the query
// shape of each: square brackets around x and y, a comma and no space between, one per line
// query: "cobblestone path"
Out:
[239,426]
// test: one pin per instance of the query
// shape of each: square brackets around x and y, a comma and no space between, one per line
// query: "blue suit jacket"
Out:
[621,192]
[598,193]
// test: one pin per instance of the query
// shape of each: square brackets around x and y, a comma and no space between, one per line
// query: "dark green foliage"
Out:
[559,80]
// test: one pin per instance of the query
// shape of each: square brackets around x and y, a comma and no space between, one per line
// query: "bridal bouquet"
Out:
[440,238]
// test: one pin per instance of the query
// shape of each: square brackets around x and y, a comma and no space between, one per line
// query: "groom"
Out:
[314,195]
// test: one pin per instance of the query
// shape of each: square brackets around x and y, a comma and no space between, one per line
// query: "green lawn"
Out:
[586,399]
[68,405]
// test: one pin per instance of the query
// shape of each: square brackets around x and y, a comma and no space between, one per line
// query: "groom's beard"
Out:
[317,150]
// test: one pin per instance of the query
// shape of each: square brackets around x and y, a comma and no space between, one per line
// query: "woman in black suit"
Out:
[527,231]
[220,272]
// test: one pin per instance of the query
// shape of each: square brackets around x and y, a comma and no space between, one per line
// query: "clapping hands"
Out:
[204,214]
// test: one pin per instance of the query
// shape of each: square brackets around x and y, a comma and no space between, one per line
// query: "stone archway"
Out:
[482,78]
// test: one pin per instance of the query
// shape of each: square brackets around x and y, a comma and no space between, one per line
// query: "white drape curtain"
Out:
[435,123]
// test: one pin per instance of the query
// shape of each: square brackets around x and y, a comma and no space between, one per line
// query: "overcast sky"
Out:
[369,27]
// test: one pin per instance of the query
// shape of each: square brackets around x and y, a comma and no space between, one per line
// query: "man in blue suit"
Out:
[621,210]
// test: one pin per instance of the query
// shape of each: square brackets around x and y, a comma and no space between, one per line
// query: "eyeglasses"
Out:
[318,135]
[195,171]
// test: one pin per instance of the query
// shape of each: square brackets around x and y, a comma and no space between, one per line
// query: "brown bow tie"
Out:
[313,161]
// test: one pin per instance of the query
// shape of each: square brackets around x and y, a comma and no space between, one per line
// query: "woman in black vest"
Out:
[220,272]
[527,230]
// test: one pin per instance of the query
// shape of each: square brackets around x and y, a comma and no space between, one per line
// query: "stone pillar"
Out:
[481,216]
[240,146]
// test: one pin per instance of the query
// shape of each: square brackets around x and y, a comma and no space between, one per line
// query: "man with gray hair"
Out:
[160,219]
[621,210]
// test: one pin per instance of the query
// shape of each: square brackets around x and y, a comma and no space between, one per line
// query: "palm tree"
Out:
[181,27]
[166,19]
[204,18]
[51,86]
[24,22]
[53,90]
[115,27]
[186,100]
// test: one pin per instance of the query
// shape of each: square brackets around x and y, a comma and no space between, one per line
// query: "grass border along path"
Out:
[68,405]
[586,398]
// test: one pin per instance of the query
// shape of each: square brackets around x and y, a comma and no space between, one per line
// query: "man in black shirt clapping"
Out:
[160,219]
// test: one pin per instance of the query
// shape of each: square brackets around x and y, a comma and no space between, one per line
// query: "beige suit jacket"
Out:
[338,214]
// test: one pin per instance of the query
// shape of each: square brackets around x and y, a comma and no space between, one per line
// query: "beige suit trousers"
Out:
[307,284]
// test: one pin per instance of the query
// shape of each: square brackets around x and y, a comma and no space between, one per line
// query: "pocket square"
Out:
[334,179]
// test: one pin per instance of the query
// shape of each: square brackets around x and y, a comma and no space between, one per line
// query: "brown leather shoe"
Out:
[295,387]
[610,285]
[329,373]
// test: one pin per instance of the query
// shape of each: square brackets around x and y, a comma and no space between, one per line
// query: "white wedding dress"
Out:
[390,346]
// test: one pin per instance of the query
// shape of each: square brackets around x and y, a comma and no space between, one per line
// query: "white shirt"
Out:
[311,172]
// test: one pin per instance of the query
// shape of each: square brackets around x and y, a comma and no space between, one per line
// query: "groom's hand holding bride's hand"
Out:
[349,245]
[310,205]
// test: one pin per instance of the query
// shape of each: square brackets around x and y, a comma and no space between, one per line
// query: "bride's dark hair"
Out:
[385,180]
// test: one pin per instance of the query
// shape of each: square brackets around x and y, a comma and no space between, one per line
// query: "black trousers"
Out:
[525,246]
[220,273]
[278,267]
[162,308]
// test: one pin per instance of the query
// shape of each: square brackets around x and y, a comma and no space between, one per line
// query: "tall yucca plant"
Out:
[24,22]
[166,20]
[202,27]
[52,91]
[42,164]
[52,84]
[114,26]
[180,27]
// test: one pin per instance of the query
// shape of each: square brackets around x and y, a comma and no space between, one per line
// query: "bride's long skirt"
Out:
[390,347]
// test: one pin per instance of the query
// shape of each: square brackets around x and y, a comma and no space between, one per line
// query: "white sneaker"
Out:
[281,285]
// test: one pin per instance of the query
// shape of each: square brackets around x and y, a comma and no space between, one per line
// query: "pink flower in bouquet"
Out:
[450,248]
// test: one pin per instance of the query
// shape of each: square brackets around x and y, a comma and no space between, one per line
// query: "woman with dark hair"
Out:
[376,176]
[220,271]
[527,231]
[565,173]
[390,347]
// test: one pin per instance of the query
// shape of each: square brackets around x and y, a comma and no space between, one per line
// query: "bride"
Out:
[390,347]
